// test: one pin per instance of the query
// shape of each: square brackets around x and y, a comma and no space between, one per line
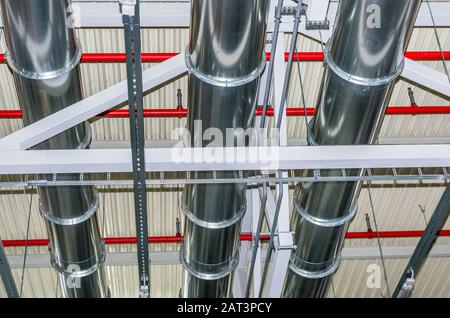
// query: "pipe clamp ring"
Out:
[71,268]
[73,221]
[211,271]
[312,274]
[214,225]
[45,75]
[221,81]
[325,222]
[358,80]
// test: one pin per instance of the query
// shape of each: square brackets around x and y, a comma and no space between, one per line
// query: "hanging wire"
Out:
[378,240]
[302,90]
[30,204]
[263,197]
[423,211]
[104,211]
[438,41]
[332,287]
[56,288]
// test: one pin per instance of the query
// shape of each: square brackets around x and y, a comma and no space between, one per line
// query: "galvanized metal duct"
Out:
[43,54]
[225,58]
[364,58]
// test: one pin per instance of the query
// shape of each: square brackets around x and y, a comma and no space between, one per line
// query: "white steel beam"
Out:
[223,159]
[167,143]
[426,77]
[173,258]
[92,106]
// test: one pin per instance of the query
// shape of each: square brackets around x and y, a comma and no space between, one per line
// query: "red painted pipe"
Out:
[301,56]
[392,234]
[290,112]
[244,237]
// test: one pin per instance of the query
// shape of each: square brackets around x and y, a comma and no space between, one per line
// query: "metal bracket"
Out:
[127,7]
[318,25]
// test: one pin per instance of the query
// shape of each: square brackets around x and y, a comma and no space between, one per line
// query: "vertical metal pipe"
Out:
[43,54]
[225,58]
[364,58]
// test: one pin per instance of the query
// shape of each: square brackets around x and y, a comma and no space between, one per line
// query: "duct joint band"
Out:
[214,225]
[75,270]
[73,221]
[45,75]
[358,80]
[313,270]
[210,271]
[222,81]
[325,222]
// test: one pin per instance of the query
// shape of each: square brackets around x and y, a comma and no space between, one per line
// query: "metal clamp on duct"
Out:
[209,271]
[70,221]
[223,81]
[336,222]
[79,269]
[313,270]
[214,225]
[359,80]
[45,75]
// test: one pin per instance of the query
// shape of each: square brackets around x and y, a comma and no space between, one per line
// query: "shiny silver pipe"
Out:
[225,58]
[43,54]
[364,59]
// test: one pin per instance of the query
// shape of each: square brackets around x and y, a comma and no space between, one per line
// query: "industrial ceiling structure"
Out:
[356,183]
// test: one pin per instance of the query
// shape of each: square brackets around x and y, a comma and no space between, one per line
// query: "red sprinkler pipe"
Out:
[244,237]
[301,56]
[290,112]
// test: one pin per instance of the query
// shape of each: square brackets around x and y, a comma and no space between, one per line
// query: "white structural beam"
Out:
[173,258]
[92,106]
[426,77]
[167,143]
[223,159]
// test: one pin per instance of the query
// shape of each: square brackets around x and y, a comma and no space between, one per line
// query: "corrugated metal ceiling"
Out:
[396,206]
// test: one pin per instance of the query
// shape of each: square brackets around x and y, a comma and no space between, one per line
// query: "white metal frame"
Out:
[173,258]
[15,159]
[223,159]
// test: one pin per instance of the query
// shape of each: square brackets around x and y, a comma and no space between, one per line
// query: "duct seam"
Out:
[358,80]
[73,221]
[45,75]
[214,225]
[298,265]
[62,268]
[218,271]
[221,81]
[325,222]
